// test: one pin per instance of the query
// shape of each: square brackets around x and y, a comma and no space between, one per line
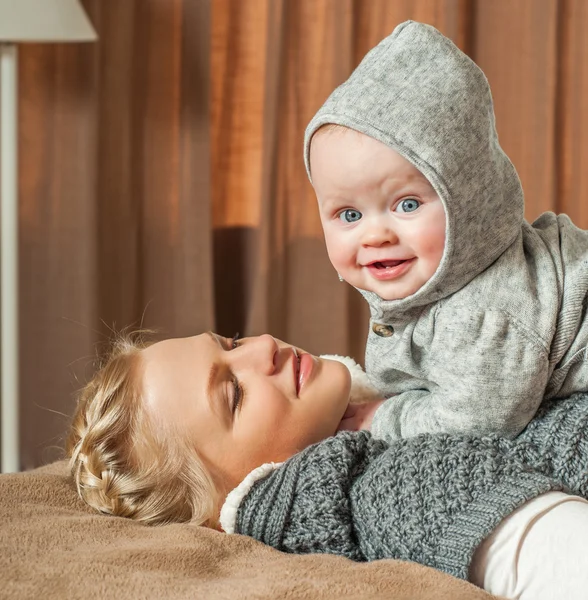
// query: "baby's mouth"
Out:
[386,264]
[387,270]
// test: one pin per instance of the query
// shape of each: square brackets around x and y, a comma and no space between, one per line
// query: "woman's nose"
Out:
[377,232]
[259,353]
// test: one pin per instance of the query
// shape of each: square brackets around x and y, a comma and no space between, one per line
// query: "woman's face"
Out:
[246,403]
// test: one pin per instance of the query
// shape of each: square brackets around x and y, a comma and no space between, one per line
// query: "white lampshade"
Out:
[44,21]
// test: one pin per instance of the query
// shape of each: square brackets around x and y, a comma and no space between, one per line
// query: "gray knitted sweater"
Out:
[431,499]
[502,323]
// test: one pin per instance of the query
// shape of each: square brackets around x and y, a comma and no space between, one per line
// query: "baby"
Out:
[476,315]
[166,432]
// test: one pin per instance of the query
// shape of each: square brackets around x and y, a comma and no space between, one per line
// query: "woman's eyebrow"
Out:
[210,390]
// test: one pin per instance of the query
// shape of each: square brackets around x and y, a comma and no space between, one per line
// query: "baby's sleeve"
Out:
[486,374]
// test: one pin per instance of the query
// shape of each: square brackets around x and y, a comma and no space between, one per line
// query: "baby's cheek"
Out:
[433,243]
[341,253]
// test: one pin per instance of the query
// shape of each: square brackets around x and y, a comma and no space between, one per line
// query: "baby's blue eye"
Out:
[408,205]
[350,215]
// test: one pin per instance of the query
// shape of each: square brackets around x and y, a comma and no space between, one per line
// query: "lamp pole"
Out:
[9,256]
[20,21]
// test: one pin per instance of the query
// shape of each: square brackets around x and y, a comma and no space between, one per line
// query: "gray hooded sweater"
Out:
[502,323]
[430,499]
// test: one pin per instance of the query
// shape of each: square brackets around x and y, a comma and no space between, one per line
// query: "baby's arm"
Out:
[485,375]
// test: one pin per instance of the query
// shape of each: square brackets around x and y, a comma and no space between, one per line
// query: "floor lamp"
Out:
[20,21]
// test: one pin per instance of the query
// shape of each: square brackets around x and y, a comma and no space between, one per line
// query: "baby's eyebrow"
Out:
[332,203]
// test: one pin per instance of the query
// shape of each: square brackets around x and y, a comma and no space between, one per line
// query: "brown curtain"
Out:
[115,197]
[161,172]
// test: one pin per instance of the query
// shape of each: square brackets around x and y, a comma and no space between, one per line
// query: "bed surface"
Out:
[53,546]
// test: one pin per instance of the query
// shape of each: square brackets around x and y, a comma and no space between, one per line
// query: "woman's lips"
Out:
[386,270]
[305,370]
[296,367]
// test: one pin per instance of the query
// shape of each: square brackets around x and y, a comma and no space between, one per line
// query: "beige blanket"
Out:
[53,546]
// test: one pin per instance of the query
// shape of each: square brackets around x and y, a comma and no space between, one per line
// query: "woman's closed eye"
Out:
[238,394]
[238,391]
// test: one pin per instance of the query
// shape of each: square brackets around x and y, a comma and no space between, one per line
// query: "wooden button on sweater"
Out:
[383,330]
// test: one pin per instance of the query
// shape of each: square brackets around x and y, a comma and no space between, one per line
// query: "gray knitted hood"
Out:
[419,94]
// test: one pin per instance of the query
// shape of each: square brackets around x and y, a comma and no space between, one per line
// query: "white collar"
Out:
[228,513]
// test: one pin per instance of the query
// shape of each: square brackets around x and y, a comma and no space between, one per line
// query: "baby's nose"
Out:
[377,233]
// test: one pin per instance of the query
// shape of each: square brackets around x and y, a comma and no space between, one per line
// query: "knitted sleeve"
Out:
[556,442]
[431,499]
[471,485]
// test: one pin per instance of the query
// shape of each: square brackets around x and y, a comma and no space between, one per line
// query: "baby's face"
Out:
[243,404]
[384,224]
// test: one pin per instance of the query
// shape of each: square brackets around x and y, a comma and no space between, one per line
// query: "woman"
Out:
[165,431]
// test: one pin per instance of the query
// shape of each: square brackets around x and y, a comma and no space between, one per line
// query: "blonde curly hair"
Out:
[125,464]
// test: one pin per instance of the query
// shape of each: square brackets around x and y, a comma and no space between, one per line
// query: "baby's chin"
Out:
[383,294]
[386,291]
